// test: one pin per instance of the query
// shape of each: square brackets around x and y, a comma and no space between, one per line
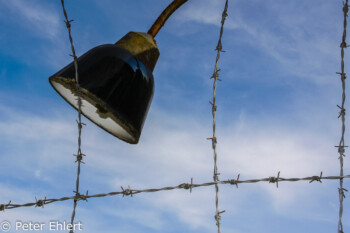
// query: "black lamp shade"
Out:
[117,90]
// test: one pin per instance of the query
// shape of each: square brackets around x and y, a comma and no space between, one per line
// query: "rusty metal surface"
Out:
[141,45]
[158,24]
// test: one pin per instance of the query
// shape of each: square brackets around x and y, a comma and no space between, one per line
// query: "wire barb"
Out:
[79,157]
[342,111]
[341,150]
[79,197]
[316,178]
[187,185]
[3,206]
[127,192]
[235,181]
[341,192]
[40,203]
[273,179]
[218,217]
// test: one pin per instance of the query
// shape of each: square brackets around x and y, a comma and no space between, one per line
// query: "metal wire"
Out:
[130,192]
[341,146]
[79,155]
[215,76]
[186,186]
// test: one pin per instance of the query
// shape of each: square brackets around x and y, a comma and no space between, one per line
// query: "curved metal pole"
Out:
[158,24]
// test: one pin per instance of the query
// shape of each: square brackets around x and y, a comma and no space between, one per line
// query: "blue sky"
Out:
[276,112]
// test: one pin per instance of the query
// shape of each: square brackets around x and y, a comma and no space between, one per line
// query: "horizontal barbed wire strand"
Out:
[131,192]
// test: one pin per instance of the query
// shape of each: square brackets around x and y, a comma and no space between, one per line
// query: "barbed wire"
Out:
[215,76]
[273,179]
[341,146]
[186,186]
[79,155]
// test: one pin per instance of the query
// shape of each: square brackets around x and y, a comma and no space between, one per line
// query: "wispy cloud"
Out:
[281,30]
[145,217]
[170,153]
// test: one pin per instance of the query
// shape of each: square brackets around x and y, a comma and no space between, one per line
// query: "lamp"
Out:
[116,81]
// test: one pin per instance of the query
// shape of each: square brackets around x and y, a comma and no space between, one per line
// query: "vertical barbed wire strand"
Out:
[341,146]
[214,108]
[79,154]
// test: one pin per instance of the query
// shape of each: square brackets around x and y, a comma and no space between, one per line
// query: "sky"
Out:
[277,111]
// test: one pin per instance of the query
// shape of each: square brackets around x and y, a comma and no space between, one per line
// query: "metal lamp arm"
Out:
[158,24]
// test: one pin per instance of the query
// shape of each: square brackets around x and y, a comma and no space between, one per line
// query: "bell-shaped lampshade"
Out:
[116,88]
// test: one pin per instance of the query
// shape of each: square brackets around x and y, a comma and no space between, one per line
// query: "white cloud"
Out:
[206,12]
[284,31]
[171,151]
[145,217]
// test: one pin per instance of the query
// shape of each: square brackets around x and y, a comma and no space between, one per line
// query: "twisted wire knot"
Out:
[341,150]
[342,111]
[218,217]
[235,181]
[316,178]
[187,185]
[214,108]
[80,124]
[40,203]
[341,192]
[80,157]
[219,46]
[342,75]
[273,179]
[4,206]
[343,45]
[68,23]
[216,176]
[216,74]
[214,141]
[79,197]
[127,192]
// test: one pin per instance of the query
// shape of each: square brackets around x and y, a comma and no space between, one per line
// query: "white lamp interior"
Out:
[91,112]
